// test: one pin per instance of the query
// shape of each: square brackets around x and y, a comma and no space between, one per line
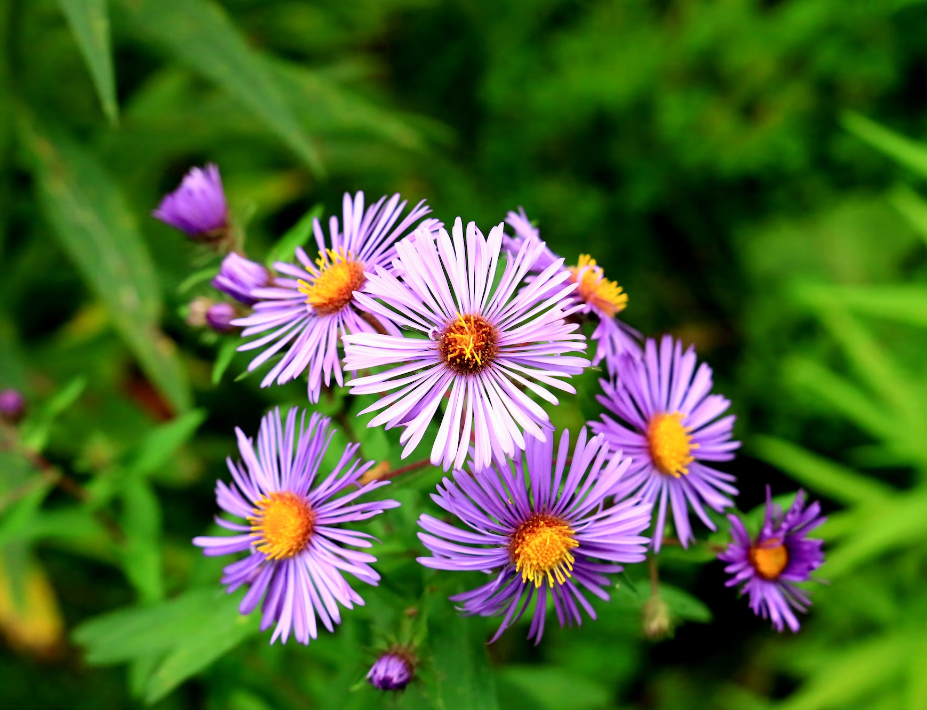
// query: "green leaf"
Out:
[224,359]
[683,605]
[36,430]
[200,34]
[297,236]
[912,207]
[552,688]
[820,474]
[141,524]
[159,446]
[197,277]
[89,22]
[98,232]
[464,680]
[905,303]
[903,150]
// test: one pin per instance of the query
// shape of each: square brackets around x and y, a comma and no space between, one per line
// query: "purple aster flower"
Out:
[780,556]
[481,344]
[219,317]
[239,276]
[600,297]
[393,670]
[198,207]
[12,406]
[294,536]
[669,427]
[539,527]
[309,307]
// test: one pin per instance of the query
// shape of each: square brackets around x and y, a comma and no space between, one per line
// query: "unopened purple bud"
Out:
[12,406]
[198,207]
[391,671]
[239,276]
[219,317]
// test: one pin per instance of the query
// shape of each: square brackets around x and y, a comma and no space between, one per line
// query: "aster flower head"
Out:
[769,566]
[310,306]
[599,297]
[198,207]
[668,423]
[393,670]
[540,528]
[239,276]
[219,317]
[297,550]
[482,342]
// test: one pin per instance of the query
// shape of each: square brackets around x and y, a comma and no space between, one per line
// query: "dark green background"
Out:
[724,160]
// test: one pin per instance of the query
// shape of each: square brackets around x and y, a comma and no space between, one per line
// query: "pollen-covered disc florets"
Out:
[335,278]
[594,288]
[540,549]
[283,523]
[670,444]
[769,558]
[468,344]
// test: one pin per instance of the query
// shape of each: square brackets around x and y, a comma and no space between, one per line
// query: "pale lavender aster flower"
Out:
[239,276]
[540,527]
[198,207]
[309,307]
[294,539]
[600,297]
[781,556]
[393,670]
[481,342]
[668,424]
[219,317]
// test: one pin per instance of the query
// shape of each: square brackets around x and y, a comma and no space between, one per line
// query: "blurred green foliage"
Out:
[729,162]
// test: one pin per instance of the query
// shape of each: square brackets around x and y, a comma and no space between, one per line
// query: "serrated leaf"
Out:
[98,231]
[200,34]
[89,22]
[297,236]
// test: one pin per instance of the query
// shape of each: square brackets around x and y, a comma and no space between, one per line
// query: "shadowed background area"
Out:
[749,171]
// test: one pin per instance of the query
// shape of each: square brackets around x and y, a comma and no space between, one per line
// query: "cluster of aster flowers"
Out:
[473,333]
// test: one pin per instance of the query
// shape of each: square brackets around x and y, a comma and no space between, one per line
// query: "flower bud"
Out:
[219,317]
[393,670]
[657,621]
[198,207]
[12,406]
[239,276]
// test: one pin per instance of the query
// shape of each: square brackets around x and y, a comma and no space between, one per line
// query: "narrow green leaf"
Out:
[37,429]
[552,688]
[89,22]
[903,150]
[98,231]
[905,303]
[224,359]
[464,680]
[158,447]
[683,605]
[820,474]
[142,550]
[200,34]
[297,236]
[912,207]
[196,278]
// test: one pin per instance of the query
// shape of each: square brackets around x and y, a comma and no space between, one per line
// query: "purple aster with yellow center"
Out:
[294,537]
[781,556]
[198,207]
[310,306]
[601,298]
[668,423]
[480,342]
[541,528]
[239,276]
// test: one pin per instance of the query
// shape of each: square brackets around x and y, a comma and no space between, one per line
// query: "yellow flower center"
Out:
[541,548]
[594,288]
[334,282]
[283,524]
[670,444]
[769,559]
[468,344]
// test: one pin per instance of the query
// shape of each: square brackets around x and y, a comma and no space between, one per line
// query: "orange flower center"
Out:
[468,344]
[334,282]
[283,524]
[670,444]
[594,288]
[540,549]
[769,559]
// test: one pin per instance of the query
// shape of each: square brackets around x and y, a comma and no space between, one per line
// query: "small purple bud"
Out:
[393,670]
[219,317]
[198,207]
[239,276]
[12,406]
